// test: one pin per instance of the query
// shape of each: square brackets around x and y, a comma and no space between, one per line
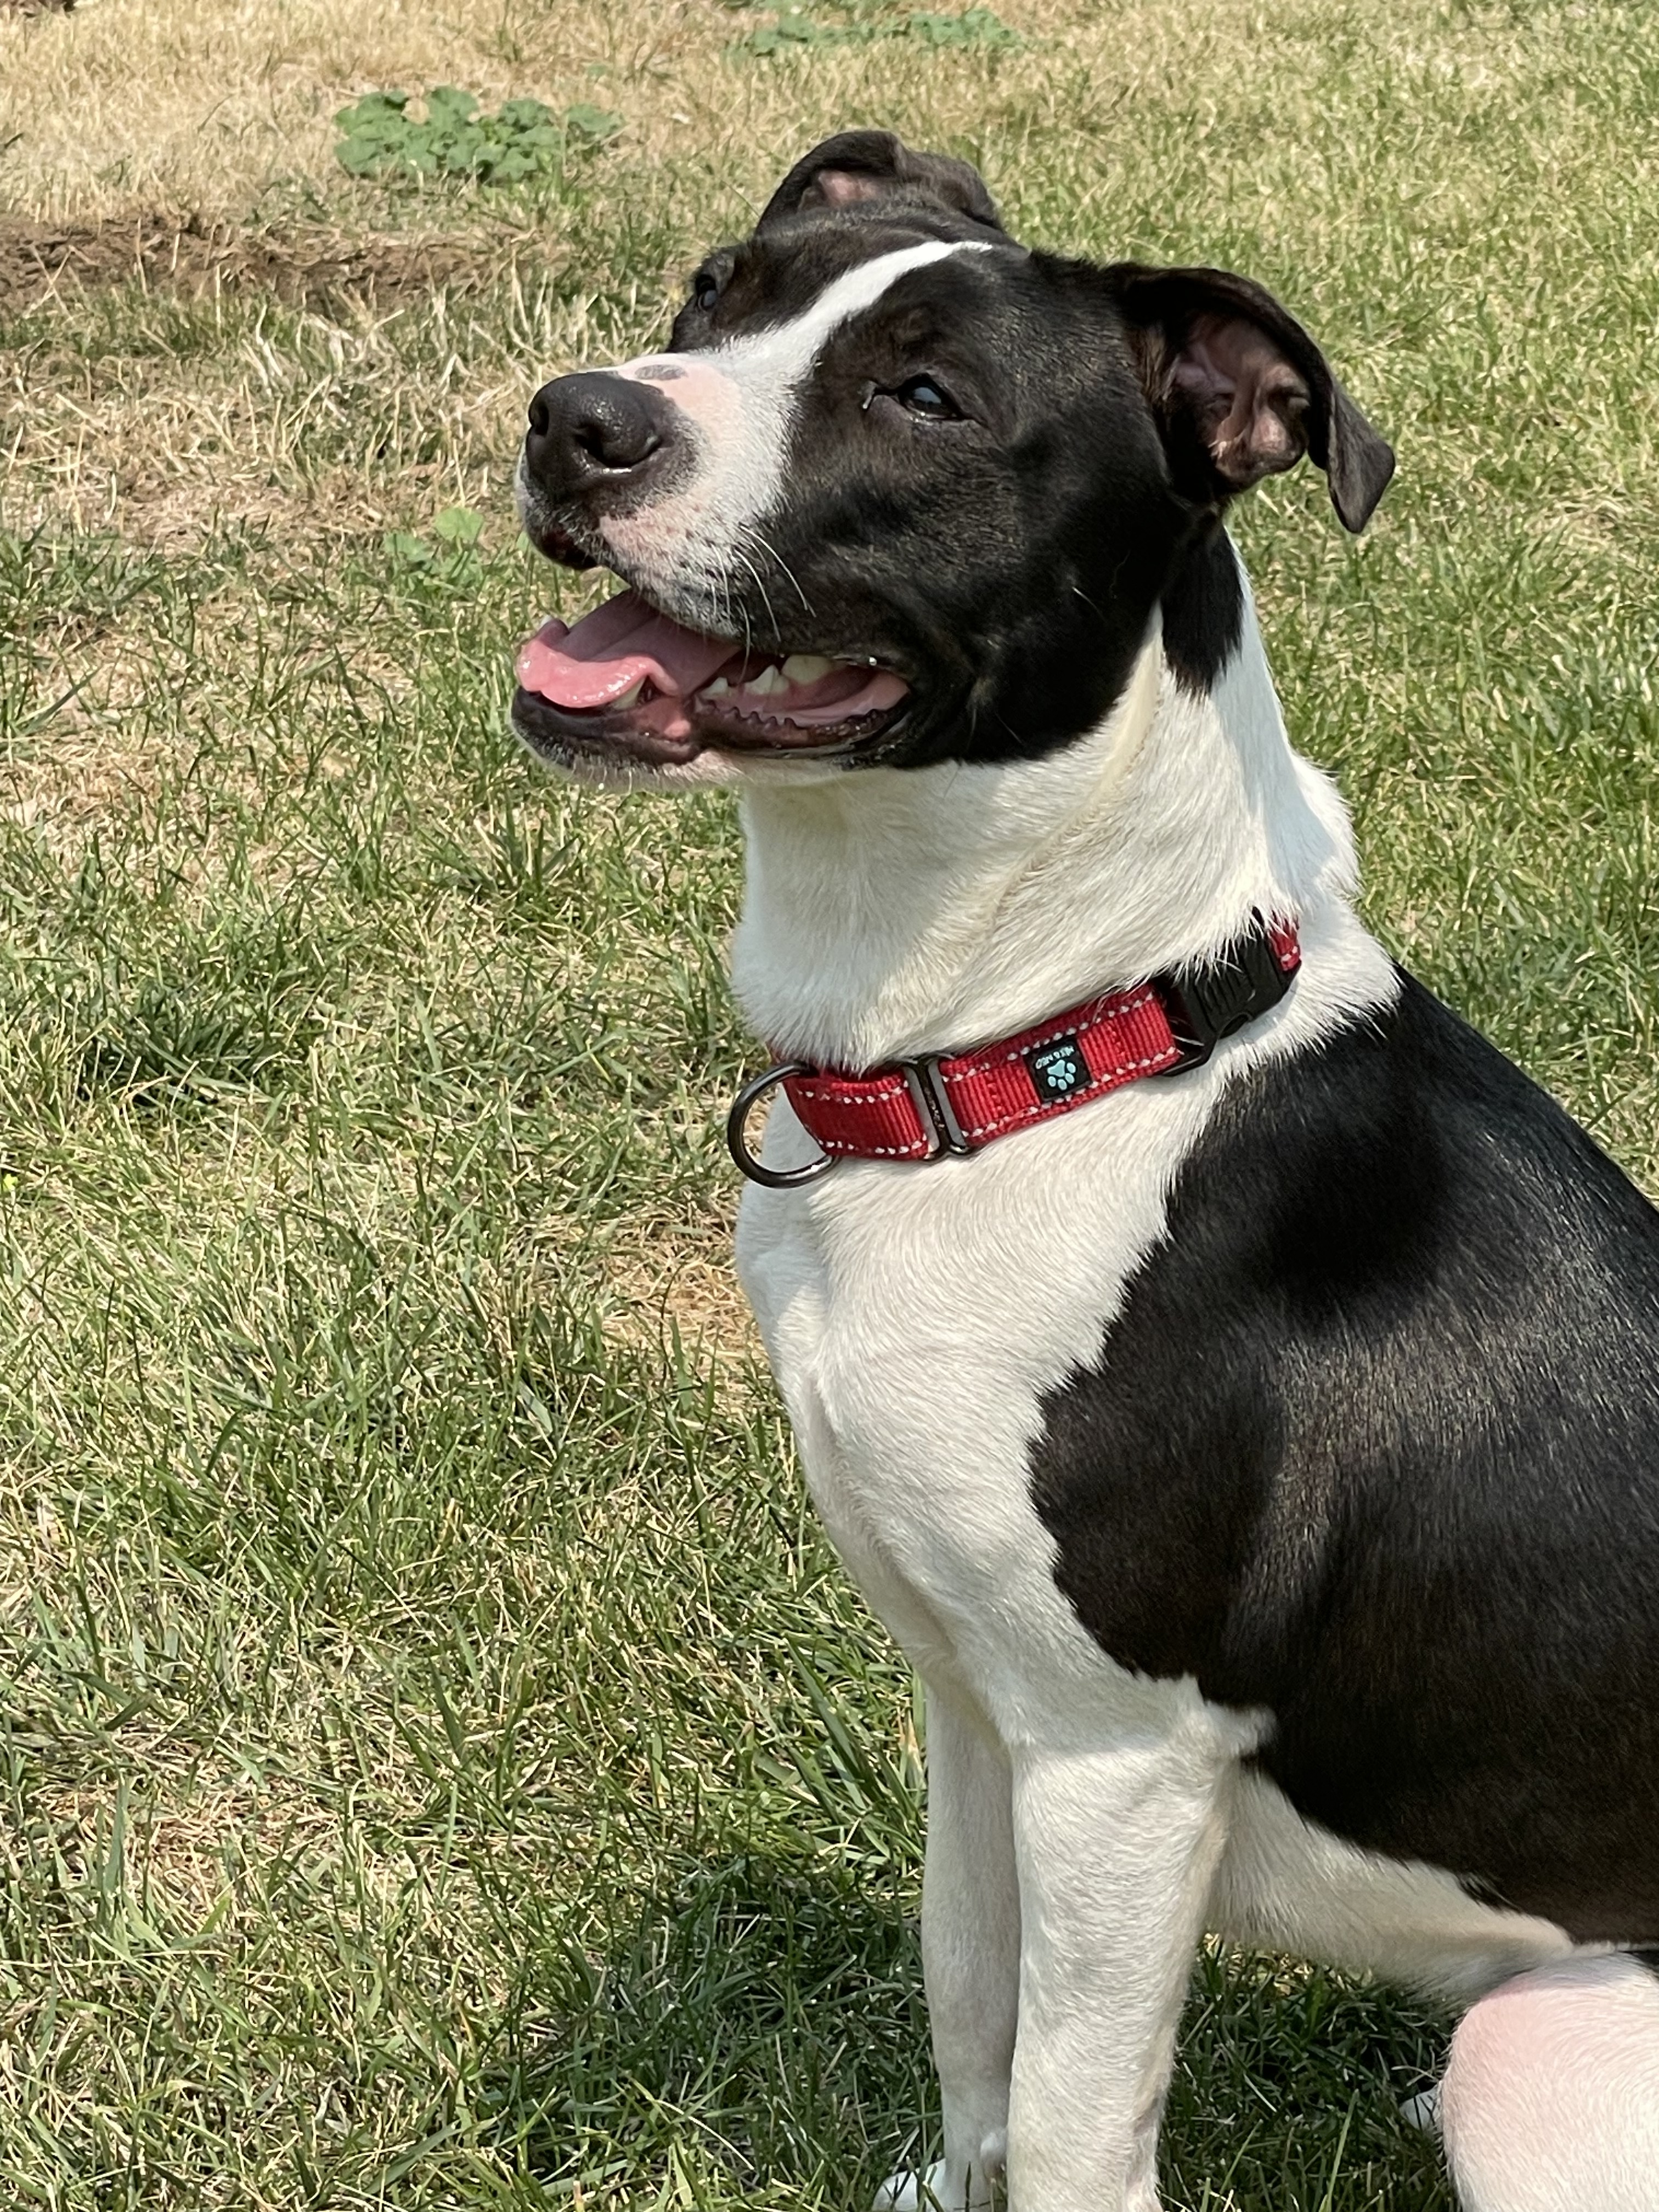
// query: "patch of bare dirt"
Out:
[193,256]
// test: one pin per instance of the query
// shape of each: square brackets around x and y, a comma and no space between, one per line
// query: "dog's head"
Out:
[900,490]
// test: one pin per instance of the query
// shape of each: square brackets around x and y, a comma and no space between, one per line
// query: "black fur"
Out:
[1203,613]
[1375,1446]
[879,165]
[1007,563]
[915,541]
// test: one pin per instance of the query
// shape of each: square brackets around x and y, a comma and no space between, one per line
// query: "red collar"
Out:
[922,1109]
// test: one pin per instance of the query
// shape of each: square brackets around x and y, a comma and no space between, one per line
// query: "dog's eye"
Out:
[923,397]
[705,291]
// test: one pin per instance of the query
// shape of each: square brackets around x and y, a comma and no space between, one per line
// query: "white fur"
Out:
[1285,1885]
[1551,2099]
[970,1944]
[899,910]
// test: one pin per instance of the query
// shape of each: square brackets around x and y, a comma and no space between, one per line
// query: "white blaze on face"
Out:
[737,400]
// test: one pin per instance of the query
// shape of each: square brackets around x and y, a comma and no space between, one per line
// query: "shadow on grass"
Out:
[754,2030]
[1287,2090]
[762,2030]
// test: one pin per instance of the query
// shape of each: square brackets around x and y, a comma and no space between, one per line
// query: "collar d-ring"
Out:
[737,1140]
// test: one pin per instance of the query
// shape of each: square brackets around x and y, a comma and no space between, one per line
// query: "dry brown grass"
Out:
[43,264]
[165,109]
[672,1276]
[163,447]
[170,104]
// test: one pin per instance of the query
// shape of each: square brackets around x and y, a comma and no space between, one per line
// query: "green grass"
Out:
[442,1764]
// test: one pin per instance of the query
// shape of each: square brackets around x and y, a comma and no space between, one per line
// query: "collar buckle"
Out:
[1244,980]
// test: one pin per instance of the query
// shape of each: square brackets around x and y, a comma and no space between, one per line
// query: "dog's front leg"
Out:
[969,1944]
[971,1956]
[1116,1846]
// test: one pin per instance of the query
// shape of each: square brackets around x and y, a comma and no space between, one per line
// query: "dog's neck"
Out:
[889,911]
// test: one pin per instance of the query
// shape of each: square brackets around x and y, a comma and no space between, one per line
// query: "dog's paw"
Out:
[937,2191]
[911,2192]
[1422,2111]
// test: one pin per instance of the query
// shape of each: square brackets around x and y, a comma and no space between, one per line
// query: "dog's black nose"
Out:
[594,431]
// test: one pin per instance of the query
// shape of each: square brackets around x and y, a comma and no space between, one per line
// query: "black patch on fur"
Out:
[1374,1445]
[1007,563]
[1203,613]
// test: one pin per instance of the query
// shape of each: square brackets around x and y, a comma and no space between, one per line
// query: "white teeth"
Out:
[807,667]
[717,690]
[770,681]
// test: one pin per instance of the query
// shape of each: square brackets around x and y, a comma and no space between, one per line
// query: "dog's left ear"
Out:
[878,165]
[1241,389]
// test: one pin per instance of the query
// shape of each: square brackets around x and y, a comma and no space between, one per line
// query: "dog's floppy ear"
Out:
[873,165]
[1239,383]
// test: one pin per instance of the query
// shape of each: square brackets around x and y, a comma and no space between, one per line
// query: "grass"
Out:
[442,1766]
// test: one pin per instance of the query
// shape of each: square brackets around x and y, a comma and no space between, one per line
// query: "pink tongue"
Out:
[609,650]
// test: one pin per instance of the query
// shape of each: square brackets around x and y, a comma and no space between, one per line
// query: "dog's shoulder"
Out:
[1373,1444]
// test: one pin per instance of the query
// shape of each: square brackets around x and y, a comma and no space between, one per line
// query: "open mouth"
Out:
[630,678]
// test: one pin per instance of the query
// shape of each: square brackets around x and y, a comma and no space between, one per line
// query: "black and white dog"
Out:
[1261,1461]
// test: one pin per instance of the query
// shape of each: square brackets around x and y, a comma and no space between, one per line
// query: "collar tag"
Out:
[1057,1070]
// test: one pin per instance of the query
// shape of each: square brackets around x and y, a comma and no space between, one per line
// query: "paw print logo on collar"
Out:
[1057,1068]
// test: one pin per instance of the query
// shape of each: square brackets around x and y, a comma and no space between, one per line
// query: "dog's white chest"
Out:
[915,1320]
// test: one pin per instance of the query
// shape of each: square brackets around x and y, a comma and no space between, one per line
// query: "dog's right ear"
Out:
[876,165]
